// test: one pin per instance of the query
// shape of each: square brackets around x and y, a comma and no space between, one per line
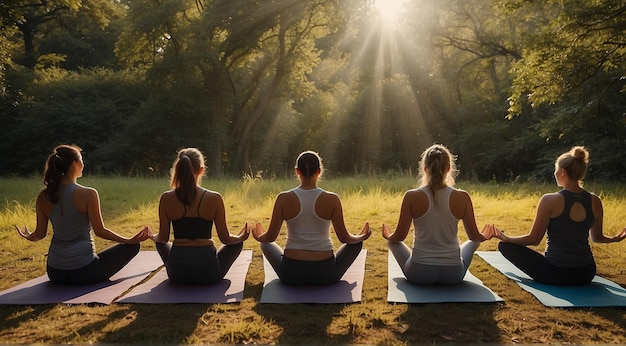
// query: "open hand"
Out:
[620,236]
[24,233]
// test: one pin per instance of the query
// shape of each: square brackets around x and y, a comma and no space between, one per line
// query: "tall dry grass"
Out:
[130,203]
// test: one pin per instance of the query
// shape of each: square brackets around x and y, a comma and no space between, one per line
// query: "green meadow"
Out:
[130,203]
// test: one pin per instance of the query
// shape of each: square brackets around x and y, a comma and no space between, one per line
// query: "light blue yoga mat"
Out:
[41,291]
[471,290]
[159,290]
[600,292]
[347,290]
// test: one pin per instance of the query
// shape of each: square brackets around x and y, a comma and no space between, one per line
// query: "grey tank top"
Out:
[72,245]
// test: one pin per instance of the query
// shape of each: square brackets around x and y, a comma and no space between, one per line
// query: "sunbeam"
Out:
[385,67]
[389,10]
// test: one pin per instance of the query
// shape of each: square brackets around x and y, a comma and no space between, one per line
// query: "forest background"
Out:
[506,84]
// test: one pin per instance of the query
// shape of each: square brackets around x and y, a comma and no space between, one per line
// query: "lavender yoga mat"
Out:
[471,290]
[159,290]
[347,290]
[41,291]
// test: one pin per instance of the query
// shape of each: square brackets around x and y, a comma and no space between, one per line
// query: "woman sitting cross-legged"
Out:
[191,211]
[435,210]
[569,217]
[308,258]
[74,210]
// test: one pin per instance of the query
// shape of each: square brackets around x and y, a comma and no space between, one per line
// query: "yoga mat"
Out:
[347,290]
[600,292]
[41,291]
[471,290]
[159,289]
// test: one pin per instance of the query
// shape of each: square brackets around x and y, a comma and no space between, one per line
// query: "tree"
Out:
[247,56]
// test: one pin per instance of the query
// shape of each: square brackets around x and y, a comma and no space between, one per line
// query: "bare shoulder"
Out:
[168,195]
[551,198]
[461,194]
[330,197]
[86,191]
[415,195]
[43,201]
[212,195]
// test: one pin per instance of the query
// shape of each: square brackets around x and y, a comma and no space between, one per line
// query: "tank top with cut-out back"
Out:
[567,243]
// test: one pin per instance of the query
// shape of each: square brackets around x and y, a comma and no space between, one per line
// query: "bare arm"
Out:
[339,225]
[469,219]
[404,221]
[538,230]
[596,233]
[95,218]
[275,223]
[164,222]
[219,219]
[41,229]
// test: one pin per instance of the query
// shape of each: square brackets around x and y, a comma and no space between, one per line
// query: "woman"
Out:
[435,210]
[308,258]
[191,211]
[74,210]
[569,217]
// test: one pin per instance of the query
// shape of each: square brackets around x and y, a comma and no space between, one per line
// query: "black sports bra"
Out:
[195,227]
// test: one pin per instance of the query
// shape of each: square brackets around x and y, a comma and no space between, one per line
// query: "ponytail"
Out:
[437,167]
[185,174]
[57,166]
[308,163]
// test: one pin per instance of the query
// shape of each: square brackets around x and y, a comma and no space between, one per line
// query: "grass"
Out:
[130,203]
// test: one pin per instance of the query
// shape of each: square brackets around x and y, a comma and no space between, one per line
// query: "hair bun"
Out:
[580,153]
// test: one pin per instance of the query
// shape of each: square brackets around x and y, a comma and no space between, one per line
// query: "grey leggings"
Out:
[298,272]
[106,264]
[201,265]
[424,274]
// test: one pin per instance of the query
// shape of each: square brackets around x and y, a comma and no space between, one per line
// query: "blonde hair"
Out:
[574,162]
[437,167]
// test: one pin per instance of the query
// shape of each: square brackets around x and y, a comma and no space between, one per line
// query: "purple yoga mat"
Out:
[41,291]
[347,290]
[159,290]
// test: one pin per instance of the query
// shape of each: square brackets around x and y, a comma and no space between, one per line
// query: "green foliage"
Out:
[84,108]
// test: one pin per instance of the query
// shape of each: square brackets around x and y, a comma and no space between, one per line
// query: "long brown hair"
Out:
[57,166]
[187,164]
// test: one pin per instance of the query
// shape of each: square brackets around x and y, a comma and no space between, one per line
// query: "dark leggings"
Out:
[540,270]
[201,265]
[297,272]
[106,264]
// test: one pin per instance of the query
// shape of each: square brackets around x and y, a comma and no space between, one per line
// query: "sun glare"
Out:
[389,10]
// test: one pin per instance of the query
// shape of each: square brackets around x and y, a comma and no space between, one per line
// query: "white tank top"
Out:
[435,240]
[308,231]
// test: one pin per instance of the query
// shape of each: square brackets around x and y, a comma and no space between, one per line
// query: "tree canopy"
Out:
[506,84]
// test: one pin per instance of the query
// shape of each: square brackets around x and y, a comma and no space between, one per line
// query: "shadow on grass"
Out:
[12,316]
[303,323]
[156,324]
[449,322]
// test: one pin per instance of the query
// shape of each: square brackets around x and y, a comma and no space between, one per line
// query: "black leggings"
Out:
[540,270]
[201,265]
[106,264]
